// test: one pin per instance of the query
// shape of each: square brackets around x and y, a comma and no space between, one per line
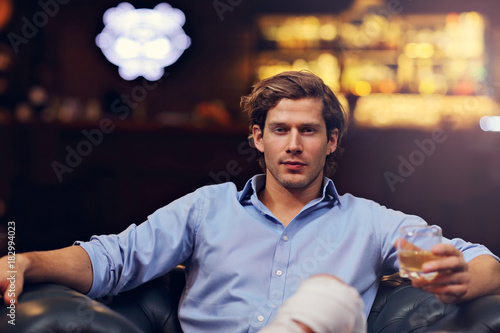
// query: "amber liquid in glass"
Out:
[410,264]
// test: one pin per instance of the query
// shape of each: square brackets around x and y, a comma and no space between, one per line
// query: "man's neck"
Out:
[286,203]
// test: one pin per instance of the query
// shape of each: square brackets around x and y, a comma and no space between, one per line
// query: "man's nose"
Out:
[294,142]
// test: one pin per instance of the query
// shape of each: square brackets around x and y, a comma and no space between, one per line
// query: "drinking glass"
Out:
[414,249]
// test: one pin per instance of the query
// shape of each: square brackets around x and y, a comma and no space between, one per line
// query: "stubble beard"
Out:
[296,181]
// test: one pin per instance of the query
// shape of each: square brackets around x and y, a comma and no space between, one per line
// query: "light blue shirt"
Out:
[241,262]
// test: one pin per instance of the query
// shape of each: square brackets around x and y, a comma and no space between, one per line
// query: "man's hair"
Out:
[295,85]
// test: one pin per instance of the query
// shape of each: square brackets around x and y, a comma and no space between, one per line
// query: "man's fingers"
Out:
[452,263]
[447,287]
[450,259]
[13,290]
[445,250]
[443,279]
[7,299]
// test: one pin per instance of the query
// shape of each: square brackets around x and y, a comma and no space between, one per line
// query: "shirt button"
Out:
[260,318]
[279,272]
[285,238]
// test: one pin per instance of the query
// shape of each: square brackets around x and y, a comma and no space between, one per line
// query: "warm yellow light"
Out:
[405,69]
[419,50]
[324,65]
[361,88]
[411,50]
[309,28]
[284,33]
[270,33]
[327,32]
[426,50]
[422,111]
[327,59]
[427,86]
[387,86]
[433,54]
[474,18]
[299,64]
[441,86]
[456,68]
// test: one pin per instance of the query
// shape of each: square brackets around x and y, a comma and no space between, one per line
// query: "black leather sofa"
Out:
[152,307]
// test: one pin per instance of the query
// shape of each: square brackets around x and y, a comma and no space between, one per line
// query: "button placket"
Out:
[280,264]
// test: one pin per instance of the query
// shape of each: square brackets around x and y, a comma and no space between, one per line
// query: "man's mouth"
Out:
[293,165]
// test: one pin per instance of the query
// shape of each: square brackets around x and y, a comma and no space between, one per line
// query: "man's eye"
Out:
[279,130]
[309,130]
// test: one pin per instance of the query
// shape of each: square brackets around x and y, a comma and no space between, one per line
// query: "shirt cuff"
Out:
[101,269]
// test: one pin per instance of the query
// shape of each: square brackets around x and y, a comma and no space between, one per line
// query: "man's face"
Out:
[294,143]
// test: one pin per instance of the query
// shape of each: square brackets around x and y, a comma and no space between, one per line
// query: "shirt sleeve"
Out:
[470,250]
[143,252]
[391,221]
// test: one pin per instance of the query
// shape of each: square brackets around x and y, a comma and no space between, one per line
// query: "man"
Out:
[247,251]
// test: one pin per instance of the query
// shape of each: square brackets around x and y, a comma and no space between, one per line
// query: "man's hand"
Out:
[11,284]
[453,280]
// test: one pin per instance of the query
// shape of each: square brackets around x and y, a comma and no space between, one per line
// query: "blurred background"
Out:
[108,113]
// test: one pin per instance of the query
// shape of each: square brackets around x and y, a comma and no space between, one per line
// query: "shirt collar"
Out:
[257,183]
[329,191]
[253,185]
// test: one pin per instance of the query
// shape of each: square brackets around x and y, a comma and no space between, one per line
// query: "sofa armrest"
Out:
[44,308]
[54,308]
[399,307]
